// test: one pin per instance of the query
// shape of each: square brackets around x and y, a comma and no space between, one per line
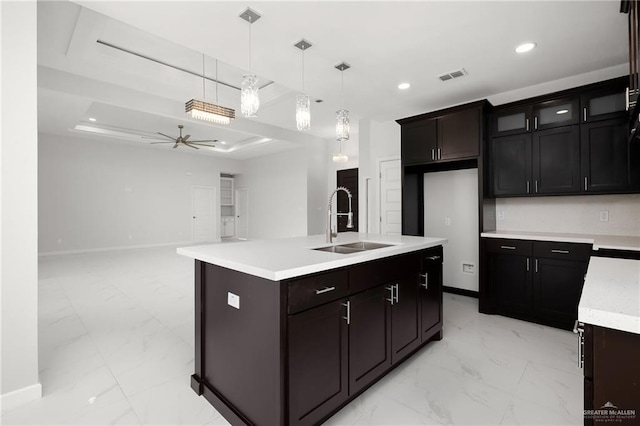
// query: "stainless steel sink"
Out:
[365,245]
[353,247]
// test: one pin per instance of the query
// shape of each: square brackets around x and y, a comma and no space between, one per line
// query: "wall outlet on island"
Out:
[233,300]
[604,215]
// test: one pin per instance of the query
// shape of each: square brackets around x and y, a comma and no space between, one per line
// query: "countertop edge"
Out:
[612,320]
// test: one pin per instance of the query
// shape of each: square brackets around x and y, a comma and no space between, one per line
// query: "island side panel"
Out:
[242,357]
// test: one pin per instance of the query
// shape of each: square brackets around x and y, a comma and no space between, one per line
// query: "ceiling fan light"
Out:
[249,99]
[303,112]
[207,111]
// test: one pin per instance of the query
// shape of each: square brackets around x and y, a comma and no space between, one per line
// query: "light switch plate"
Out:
[233,300]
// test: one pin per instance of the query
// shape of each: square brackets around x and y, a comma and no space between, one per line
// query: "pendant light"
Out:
[303,104]
[249,99]
[342,115]
[203,110]
[340,157]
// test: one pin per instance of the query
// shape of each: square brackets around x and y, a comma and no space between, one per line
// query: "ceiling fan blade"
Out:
[184,139]
[176,145]
[161,142]
[190,146]
[205,140]
[167,136]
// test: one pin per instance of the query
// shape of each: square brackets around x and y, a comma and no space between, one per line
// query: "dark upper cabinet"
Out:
[459,134]
[556,161]
[511,164]
[511,121]
[451,134]
[579,144]
[419,142]
[605,156]
[603,104]
[556,113]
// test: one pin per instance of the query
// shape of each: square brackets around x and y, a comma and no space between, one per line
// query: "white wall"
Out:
[18,205]
[317,177]
[101,194]
[574,214]
[277,186]
[454,195]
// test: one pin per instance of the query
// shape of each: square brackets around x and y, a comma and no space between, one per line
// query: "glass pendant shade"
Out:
[342,125]
[249,100]
[340,158]
[303,112]
[207,111]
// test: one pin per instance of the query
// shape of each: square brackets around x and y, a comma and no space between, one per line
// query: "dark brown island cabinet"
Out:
[300,349]
[611,375]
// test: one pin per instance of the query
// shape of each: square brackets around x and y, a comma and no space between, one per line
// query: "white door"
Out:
[203,213]
[242,214]
[390,197]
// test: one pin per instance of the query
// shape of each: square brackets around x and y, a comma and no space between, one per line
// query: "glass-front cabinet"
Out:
[556,113]
[603,105]
[511,121]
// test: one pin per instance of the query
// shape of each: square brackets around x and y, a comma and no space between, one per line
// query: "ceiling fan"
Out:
[184,140]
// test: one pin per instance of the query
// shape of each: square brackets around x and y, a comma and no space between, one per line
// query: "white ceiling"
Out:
[385,43]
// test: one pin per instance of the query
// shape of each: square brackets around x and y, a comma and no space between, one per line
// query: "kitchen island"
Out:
[289,331]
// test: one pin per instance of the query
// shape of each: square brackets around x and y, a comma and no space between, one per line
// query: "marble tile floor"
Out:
[116,347]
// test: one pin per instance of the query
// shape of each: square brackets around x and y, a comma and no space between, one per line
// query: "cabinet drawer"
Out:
[317,289]
[372,274]
[568,251]
[508,246]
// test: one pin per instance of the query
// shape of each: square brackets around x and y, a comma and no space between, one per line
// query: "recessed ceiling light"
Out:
[404,86]
[92,119]
[562,111]
[525,47]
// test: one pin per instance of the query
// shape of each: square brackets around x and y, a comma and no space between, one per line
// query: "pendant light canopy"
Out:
[203,110]
[303,104]
[249,99]
[342,115]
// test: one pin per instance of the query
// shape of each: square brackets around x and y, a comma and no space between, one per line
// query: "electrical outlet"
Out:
[501,214]
[447,221]
[233,300]
[468,268]
[604,215]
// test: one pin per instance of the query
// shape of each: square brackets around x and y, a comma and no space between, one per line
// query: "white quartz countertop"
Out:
[611,294]
[614,242]
[293,257]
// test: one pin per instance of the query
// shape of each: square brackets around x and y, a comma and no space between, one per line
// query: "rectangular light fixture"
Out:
[207,111]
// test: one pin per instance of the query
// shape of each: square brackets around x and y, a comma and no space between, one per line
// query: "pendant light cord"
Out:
[204,96]
[303,70]
[250,22]
[216,80]
[342,89]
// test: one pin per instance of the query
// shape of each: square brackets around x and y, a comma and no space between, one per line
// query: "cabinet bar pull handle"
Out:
[585,183]
[528,189]
[536,186]
[508,247]
[579,330]
[439,154]
[535,123]
[626,99]
[527,264]
[433,157]
[536,266]
[527,124]
[433,257]
[390,288]
[560,251]
[584,113]
[324,290]
[396,297]
[425,284]
[348,317]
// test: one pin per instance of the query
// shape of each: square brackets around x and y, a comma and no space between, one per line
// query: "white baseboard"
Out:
[96,250]
[18,397]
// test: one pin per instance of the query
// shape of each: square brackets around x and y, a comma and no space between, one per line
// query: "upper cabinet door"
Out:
[459,134]
[510,165]
[603,105]
[556,161]
[556,113]
[419,142]
[511,121]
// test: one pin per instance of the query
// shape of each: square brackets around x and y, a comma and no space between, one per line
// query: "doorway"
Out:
[242,214]
[349,179]
[390,197]
[203,223]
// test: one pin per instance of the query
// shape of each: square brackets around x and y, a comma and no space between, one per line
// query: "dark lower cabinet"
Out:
[405,317]
[369,336]
[611,376]
[537,281]
[318,359]
[430,293]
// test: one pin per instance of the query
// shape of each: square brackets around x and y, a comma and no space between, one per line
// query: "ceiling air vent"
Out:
[453,74]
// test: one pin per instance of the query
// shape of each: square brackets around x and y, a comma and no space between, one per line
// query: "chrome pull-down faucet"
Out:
[330,232]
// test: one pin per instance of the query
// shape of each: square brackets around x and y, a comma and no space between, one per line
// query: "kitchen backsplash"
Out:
[571,214]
